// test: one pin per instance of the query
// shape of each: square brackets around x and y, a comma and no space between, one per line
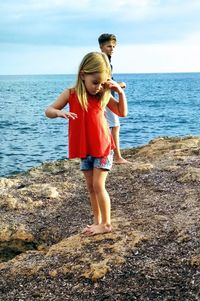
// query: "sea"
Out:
[160,105]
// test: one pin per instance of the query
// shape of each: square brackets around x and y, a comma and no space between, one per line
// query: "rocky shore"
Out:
[152,254]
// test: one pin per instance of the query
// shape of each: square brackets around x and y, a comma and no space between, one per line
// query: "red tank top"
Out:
[89,134]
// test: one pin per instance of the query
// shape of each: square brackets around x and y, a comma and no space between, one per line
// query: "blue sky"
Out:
[52,36]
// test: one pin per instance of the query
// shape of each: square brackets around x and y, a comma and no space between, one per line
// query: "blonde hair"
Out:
[93,62]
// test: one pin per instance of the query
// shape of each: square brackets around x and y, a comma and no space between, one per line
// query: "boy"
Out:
[107,43]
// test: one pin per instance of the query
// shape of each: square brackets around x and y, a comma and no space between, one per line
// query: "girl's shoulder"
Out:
[68,93]
[71,91]
[72,94]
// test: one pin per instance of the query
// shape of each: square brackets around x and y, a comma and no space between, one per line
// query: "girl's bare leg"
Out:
[92,194]
[103,200]
[99,181]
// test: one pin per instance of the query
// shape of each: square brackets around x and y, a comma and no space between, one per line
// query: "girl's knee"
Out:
[98,187]
[90,188]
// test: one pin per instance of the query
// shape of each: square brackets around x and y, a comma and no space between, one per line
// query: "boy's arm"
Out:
[122,85]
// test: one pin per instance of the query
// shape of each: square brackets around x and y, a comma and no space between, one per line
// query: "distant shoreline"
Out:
[120,73]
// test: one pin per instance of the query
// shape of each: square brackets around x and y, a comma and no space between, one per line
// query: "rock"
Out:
[152,254]
[192,174]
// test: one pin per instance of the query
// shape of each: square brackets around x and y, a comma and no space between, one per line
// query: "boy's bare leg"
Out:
[117,153]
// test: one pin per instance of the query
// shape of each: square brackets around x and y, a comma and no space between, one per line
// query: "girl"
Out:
[89,135]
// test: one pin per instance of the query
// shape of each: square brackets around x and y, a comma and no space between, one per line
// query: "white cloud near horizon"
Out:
[53,35]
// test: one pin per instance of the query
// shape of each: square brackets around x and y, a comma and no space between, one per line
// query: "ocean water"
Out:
[159,105]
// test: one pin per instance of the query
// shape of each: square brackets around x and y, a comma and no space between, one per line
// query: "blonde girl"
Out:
[89,135]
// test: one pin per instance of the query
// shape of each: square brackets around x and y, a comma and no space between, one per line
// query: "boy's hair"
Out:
[93,62]
[106,37]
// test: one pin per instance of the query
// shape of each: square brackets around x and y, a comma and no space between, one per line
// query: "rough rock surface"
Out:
[152,254]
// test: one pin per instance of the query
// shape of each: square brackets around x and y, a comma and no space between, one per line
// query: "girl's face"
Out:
[94,82]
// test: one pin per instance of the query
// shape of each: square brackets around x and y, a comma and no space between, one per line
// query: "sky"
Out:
[52,36]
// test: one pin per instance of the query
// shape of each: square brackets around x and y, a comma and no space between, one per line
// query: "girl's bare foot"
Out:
[97,229]
[86,229]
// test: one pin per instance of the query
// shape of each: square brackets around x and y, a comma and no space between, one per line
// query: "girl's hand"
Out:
[111,84]
[66,115]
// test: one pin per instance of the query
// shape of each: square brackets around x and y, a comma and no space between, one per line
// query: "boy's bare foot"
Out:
[97,229]
[121,161]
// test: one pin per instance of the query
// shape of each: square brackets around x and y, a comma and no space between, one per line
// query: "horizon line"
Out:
[115,73]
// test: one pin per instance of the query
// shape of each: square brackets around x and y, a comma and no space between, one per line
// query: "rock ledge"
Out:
[152,254]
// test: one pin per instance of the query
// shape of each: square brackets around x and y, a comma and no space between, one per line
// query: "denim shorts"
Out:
[91,162]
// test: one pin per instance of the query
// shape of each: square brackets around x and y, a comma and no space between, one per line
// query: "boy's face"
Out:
[108,47]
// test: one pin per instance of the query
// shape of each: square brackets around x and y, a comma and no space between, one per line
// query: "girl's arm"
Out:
[55,109]
[118,107]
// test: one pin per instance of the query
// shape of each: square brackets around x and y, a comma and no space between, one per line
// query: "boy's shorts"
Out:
[112,118]
[91,162]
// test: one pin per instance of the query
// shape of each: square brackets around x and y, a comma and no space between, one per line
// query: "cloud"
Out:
[57,29]
[157,58]
[65,22]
